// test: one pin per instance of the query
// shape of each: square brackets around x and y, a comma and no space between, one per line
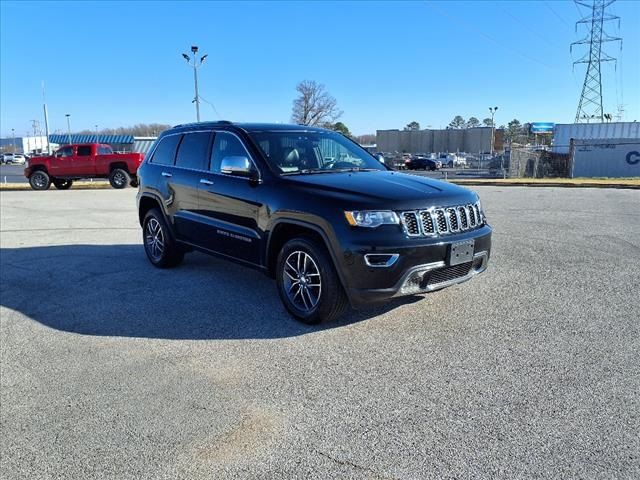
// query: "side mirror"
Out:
[236,165]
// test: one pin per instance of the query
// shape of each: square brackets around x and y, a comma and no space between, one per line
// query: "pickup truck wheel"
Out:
[39,180]
[119,178]
[307,281]
[63,184]
[159,245]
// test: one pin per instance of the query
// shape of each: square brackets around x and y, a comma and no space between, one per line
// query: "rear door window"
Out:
[84,150]
[193,151]
[165,152]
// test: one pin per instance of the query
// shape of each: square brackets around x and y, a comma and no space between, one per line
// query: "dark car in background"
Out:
[310,208]
[418,162]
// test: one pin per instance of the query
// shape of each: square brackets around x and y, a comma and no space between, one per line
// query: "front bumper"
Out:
[419,268]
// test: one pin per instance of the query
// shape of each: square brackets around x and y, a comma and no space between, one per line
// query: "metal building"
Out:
[120,143]
[563,133]
[470,140]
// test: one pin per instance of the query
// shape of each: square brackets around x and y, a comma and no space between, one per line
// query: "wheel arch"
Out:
[119,164]
[147,202]
[284,230]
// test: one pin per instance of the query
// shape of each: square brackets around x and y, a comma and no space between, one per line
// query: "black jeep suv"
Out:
[311,208]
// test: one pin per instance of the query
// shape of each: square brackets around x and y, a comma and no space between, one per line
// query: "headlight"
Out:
[371,218]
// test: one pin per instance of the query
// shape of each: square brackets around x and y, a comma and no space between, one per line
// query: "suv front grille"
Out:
[441,221]
[447,274]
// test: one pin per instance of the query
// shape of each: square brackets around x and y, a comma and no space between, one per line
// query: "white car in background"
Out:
[14,158]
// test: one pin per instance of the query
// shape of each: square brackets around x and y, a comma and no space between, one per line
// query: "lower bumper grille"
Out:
[435,276]
[446,274]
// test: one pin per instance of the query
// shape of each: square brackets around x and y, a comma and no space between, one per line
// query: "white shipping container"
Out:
[564,132]
[606,158]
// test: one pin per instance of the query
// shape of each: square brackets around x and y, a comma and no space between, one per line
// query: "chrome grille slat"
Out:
[441,221]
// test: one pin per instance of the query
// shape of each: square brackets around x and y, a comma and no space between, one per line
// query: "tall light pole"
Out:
[13,137]
[195,64]
[493,127]
[96,133]
[68,126]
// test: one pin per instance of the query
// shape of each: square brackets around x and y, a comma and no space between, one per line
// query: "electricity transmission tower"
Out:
[590,106]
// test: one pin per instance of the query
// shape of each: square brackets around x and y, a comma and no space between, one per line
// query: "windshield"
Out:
[292,152]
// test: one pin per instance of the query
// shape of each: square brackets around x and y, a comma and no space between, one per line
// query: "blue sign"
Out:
[542,127]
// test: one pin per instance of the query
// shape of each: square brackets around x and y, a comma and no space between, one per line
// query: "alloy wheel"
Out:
[39,180]
[119,179]
[154,239]
[301,280]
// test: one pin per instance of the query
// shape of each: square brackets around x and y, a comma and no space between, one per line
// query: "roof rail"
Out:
[217,122]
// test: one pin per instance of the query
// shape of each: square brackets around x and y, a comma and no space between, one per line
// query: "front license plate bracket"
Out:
[461,252]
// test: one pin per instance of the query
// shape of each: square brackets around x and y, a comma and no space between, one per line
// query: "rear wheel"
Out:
[63,184]
[308,283]
[119,178]
[159,245]
[39,180]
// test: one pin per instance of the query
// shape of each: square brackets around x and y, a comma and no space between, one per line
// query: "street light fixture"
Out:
[493,127]
[68,126]
[195,64]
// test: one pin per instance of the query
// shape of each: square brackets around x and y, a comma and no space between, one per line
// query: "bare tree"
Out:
[412,126]
[314,105]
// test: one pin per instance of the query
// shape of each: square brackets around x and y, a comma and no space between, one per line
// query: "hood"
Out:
[383,189]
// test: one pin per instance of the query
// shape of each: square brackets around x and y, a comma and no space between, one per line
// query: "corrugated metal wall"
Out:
[470,140]
[606,158]
[563,133]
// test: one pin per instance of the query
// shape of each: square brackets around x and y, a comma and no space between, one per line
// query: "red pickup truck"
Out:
[85,160]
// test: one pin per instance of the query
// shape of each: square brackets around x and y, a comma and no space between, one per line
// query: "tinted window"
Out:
[65,152]
[226,145]
[84,150]
[166,151]
[193,150]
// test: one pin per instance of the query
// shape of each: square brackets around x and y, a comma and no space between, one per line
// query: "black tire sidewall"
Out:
[127,178]
[63,184]
[172,254]
[330,282]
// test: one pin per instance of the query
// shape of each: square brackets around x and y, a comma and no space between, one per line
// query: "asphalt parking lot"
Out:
[113,369]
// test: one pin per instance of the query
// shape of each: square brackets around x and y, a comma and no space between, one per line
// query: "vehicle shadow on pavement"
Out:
[112,290]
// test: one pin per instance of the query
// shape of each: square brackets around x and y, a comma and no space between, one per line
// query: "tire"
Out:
[40,180]
[307,282]
[119,178]
[134,182]
[165,254]
[63,184]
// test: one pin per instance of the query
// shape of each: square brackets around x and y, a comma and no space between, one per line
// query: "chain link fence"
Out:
[537,163]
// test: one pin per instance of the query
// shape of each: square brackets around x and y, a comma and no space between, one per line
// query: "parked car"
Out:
[13,158]
[332,233]
[86,160]
[422,163]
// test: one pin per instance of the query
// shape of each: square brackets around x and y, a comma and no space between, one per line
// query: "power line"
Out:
[557,14]
[472,27]
[211,105]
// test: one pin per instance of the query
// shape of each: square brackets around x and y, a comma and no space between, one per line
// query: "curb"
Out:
[549,184]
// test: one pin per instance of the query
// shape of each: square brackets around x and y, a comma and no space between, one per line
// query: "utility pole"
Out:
[68,126]
[46,119]
[195,64]
[590,104]
[35,124]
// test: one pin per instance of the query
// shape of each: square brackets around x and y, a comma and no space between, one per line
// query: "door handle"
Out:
[204,181]
[167,174]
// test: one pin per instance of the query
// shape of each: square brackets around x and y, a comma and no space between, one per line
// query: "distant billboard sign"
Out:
[542,127]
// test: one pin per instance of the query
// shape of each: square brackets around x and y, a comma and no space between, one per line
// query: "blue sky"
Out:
[387,63]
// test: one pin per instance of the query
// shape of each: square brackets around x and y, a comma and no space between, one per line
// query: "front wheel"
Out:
[308,283]
[119,178]
[40,180]
[159,245]
[63,184]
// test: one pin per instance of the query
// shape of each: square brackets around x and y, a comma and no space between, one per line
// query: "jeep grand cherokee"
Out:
[310,208]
